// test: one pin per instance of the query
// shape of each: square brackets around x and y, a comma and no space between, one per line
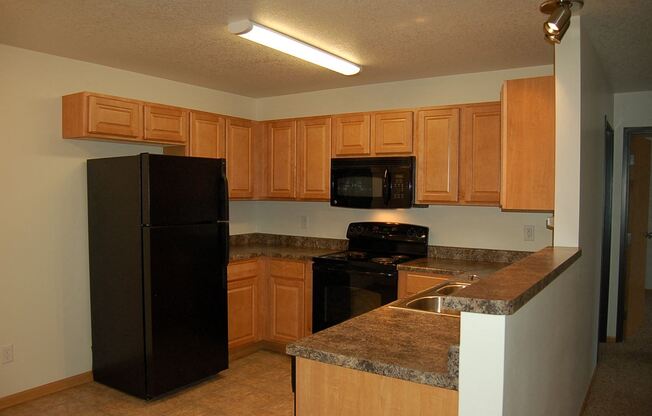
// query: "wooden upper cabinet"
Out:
[480,154]
[437,155]
[352,135]
[239,158]
[314,159]
[391,132]
[207,135]
[101,116]
[528,144]
[281,159]
[166,124]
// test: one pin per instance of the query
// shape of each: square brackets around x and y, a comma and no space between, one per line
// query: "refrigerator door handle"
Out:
[224,238]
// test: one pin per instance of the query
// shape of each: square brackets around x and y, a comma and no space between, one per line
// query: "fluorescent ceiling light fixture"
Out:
[284,43]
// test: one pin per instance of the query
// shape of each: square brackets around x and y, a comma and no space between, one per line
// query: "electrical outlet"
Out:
[7,353]
[304,222]
[528,232]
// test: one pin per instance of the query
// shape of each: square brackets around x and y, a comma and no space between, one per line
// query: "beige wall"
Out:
[453,89]
[450,226]
[481,227]
[547,349]
[44,295]
[44,301]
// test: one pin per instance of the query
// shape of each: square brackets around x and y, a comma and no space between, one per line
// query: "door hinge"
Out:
[629,239]
[632,160]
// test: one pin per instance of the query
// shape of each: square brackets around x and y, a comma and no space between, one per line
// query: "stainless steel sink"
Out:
[430,300]
[426,303]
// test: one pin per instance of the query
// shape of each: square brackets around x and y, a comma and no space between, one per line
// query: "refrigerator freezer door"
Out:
[185,304]
[183,190]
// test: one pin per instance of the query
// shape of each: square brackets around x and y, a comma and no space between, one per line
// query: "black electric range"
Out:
[364,277]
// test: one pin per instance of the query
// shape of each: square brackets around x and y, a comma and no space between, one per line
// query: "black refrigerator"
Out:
[158,251]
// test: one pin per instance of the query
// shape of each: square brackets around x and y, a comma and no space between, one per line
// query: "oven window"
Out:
[339,294]
[345,302]
[360,186]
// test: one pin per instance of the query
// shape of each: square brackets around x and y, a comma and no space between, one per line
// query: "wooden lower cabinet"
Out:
[329,390]
[243,294]
[411,283]
[269,300]
[286,300]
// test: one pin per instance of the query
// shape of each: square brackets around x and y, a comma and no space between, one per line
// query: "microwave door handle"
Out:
[386,187]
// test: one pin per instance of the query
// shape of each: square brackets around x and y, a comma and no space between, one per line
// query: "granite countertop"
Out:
[508,289]
[453,267]
[245,252]
[416,347]
[423,347]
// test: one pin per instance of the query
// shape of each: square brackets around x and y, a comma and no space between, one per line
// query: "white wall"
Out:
[44,299]
[632,109]
[481,227]
[547,369]
[550,344]
[449,226]
[453,89]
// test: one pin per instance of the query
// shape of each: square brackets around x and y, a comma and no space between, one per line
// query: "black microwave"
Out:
[372,182]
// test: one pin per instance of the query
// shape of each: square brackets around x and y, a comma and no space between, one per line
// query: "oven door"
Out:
[341,292]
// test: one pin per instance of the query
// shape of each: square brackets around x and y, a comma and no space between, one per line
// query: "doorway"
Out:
[637,149]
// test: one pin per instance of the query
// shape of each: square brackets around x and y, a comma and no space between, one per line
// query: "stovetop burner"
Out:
[380,245]
[386,259]
[383,260]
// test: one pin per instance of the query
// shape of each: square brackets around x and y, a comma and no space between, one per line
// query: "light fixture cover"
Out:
[286,44]
[558,19]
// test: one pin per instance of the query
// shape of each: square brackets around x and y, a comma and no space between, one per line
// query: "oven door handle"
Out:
[387,191]
[327,270]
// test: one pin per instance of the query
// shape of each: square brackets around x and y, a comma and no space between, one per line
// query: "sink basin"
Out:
[450,288]
[426,303]
[431,300]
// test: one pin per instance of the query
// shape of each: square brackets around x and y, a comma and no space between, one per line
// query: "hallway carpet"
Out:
[623,378]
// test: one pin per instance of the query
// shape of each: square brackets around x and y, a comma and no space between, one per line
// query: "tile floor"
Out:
[258,384]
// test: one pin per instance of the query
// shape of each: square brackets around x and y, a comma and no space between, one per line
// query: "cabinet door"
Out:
[437,155]
[480,154]
[115,117]
[314,159]
[166,124]
[528,145]
[243,303]
[239,158]
[281,159]
[411,283]
[207,135]
[392,133]
[287,300]
[352,135]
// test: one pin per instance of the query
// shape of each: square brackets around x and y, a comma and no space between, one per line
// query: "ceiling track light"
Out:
[286,44]
[559,21]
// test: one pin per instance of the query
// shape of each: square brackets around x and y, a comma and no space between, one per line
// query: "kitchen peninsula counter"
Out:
[422,347]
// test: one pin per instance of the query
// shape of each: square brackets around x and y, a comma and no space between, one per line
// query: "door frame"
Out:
[606,231]
[628,133]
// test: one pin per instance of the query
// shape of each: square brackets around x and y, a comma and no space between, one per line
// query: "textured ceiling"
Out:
[621,31]
[187,40]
